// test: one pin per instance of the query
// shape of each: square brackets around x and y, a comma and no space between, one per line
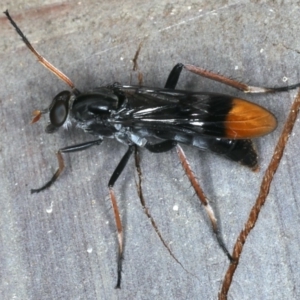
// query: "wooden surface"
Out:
[61,244]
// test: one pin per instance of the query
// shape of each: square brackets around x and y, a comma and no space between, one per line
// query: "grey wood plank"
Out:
[61,244]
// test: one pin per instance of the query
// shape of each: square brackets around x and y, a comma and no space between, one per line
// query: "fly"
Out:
[159,119]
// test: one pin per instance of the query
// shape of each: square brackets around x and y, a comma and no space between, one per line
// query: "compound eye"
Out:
[59,109]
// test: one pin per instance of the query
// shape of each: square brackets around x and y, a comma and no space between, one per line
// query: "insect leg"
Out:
[61,165]
[233,83]
[173,77]
[161,147]
[118,221]
[171,84]
[203,199]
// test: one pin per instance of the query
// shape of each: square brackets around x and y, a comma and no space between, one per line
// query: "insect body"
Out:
[159,119]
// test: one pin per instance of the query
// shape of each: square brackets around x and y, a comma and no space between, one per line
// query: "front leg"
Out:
[61,165]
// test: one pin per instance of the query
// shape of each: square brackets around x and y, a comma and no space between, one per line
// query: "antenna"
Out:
[40,58]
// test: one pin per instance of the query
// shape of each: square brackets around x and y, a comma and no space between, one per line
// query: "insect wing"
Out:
[205,114]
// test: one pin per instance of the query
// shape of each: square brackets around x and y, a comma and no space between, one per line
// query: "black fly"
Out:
[159,119]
